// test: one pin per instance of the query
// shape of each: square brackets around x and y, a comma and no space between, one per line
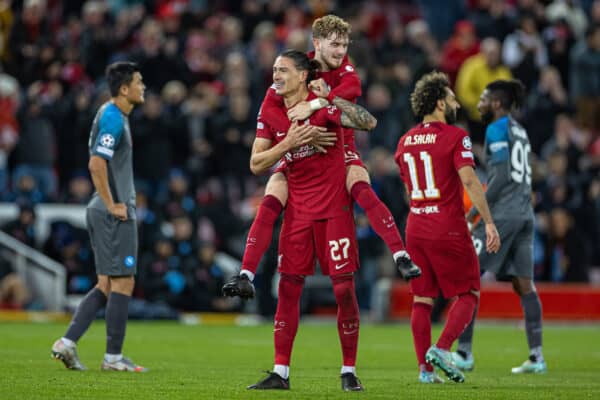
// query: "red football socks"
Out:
[459,316]
[420,324]
[261,232]
[379,215]
[348,317]
[287,316]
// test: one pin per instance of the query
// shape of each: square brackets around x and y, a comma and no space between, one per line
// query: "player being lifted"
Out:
[435,162]
[507,153]
[330,40]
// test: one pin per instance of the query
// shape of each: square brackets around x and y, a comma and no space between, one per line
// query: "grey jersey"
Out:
[508,155]
[110,138]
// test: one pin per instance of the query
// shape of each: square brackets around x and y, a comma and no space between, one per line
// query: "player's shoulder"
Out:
[497,131]
[110,115]
[346,68]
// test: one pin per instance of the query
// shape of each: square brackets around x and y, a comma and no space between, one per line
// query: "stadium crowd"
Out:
[207,66]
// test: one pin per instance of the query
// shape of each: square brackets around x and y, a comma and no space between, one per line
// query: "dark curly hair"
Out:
[429,89]
[510,93]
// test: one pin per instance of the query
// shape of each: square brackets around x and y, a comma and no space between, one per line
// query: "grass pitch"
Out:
[218,362]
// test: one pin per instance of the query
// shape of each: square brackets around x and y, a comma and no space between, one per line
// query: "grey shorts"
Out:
[515,257]
[115,243]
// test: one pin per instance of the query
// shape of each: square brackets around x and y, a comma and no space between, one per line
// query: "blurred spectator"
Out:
[23,228]
[173,95]
[206,278]
[441,20]
[585,79]
[9,128]
[36,151]
[14,294]
[70,246]
[567,251]
[474,75]
[29,42]
[524,51]
[559,40]
[151,148]
[79,189]
[570,11]
[461,45]
[491,19]
[548,99]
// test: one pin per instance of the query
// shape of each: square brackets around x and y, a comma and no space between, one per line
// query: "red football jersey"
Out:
[429,157]
[316,181]
[343,82]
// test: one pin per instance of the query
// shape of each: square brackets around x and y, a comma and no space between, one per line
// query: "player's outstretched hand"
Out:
[300,111]
[492,238]
[119,210]
[323,140]
[319,87]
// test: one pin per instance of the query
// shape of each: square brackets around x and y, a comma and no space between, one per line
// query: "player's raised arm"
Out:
[476,194]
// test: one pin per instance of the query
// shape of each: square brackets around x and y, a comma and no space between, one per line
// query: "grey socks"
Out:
[117,309]
[85,313]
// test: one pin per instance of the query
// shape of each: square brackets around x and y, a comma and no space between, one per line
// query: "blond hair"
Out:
[325,26]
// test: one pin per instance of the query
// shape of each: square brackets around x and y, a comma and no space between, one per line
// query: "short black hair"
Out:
[303,63]
[428,90]
[120,73]
[510,93]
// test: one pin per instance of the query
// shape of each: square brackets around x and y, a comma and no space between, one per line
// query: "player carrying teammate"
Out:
[435,161]
[508,167]
[110,217]
[318,221]
[330,40]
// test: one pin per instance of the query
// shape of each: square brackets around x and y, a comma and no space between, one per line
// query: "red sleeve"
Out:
[463,154]
[271,99]
[263,129]
[349,87]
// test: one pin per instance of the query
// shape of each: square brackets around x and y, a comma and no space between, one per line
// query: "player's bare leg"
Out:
[532,309]
[259,237]
[65,348]
[358,184]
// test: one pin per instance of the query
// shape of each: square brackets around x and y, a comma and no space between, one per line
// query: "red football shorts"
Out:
[332,241]
[447,265]
[351,155]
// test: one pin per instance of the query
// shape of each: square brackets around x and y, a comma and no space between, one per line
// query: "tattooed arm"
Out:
[353,115]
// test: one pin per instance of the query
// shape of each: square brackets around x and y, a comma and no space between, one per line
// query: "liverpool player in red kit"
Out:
[435,162]
[330,39]
[318,221]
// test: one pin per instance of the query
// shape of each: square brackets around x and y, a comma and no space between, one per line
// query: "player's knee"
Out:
[103,284]
[522,286]
[122,284]
[355,174]
[277,187]
[424,300]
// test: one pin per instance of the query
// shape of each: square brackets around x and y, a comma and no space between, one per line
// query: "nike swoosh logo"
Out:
[340,266]
[277,329]
[350,332]
[279,134]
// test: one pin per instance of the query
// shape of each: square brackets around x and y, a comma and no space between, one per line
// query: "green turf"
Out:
[217,362]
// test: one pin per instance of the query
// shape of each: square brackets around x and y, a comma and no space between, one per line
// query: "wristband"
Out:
[315,104]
